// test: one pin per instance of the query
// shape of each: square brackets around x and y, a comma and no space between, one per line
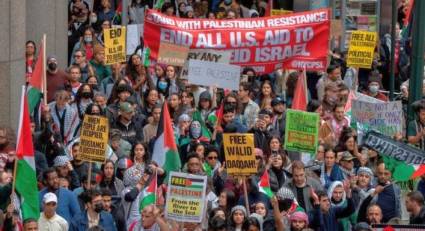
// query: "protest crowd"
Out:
[135,144]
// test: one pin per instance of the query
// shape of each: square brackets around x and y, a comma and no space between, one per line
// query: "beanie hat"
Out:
[238,207]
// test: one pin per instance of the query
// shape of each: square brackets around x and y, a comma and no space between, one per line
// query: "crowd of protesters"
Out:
[344,186]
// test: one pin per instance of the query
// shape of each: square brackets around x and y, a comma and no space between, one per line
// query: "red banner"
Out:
[294,41]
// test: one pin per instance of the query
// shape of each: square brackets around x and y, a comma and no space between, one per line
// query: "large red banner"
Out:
[294,41]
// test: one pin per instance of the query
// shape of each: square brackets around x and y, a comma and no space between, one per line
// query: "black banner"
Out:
[385,145]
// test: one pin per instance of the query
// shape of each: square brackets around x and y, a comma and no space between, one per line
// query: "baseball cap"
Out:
[277,101]
[50,197]
[126,107]
[347,156]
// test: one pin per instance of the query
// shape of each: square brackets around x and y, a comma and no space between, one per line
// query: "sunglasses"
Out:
[212,158]
[258,157]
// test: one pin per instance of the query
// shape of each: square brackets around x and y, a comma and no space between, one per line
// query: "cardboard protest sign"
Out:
[293,41]
[400,151]
[386,117]
[239,154]
[205,55]
[186,197]
[133,37]
[209,74]
[115,51]
[94,138]
[172,54]
[301,131]
[361,49]
[277,12]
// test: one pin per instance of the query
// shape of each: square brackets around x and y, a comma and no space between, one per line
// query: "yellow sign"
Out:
[115,51]
[93,138]
[239,154]
[276,12]
[361,49]
[186,197]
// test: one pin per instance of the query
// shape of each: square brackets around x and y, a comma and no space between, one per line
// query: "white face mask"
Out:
[373,89]
[93,19]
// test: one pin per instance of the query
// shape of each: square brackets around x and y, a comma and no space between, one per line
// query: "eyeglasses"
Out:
[212,158]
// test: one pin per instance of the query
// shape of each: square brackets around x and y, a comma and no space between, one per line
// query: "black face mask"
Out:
[94,87]
[3,145]
[98,207]
[52,66]
[86,95]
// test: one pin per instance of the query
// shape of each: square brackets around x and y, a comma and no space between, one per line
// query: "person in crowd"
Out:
[114,208]
[150,129]
[277,172]
[130,130]
[325,215]
[67,206]
[250,109]
[74,80]
[56,78]
[109,180]
[416,128]
[330,170]
[86,44]
[303,186]
[65,118]
[279,119]
[333,74]
[415,206]
[65,169]
[330,131]
[93,215]
[49,220]
[102,71]
[299,221]
[30,58]
[150,220]
[374,86]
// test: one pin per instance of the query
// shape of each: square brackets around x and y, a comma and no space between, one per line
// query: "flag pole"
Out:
[245,192]
[44,71]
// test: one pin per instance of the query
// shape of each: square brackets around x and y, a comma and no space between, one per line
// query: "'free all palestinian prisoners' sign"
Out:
[302,131]
[239,154]
[186,197]
[93,138]
[293,41]
[361,49]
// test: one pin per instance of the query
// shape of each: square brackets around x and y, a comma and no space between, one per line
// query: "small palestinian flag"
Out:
[149,194]
[194,183]
[264,185]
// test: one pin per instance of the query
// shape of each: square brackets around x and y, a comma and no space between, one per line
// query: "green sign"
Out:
[302,131]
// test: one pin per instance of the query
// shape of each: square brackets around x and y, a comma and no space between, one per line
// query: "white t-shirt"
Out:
[56,223]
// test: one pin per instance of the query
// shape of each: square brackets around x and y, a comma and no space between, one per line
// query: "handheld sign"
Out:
[209,55]
[172,54]
[203,73]
[302,131]
[185,197]
[361,49]
[239,154]
[115,51]
[93,138]
[385,117]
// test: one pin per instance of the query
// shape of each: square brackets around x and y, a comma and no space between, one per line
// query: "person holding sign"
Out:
[98,62]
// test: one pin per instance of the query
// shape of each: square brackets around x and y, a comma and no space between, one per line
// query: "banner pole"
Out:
[89,175]
[44,71]
[245,192]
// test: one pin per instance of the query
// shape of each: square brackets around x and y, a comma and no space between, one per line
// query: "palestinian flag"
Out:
[25,179]
[36,82]
[402,171]
[158,4]
[264,185]
[165,152]
[149,194]
[300,100]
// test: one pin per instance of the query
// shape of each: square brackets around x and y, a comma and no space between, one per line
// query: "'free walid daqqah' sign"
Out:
[397,150]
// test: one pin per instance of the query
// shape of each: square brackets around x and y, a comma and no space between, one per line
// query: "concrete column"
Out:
[12,60]
[50,17]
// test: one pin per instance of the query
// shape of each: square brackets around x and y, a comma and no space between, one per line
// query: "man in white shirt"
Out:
[49,220]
